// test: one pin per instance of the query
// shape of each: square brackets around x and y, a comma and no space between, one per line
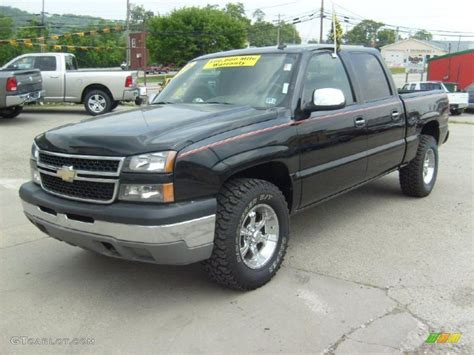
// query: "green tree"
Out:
[109,51]
[190,32]
[139,17]
[289,34]
[386,36]
[7,51]
[263,33]
[339,33]
[364,33]
[258,15]
[423,35]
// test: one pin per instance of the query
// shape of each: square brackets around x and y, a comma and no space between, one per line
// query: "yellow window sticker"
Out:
[228,62]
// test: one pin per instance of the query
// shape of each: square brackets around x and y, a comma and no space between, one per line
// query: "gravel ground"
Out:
[370,271]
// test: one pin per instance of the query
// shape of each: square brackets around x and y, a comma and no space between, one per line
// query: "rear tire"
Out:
[97,102]
[251,237]
[418,178]
[457,112]
[11,112]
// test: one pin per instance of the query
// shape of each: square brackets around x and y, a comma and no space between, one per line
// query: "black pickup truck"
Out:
[237,141]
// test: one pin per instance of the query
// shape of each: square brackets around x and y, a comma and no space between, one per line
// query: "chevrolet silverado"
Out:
[237,142]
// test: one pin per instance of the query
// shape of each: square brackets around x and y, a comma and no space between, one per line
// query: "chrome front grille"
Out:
[95,177]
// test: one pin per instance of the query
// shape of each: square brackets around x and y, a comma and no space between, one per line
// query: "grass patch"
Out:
[397,70]
[461,122]
[155,79]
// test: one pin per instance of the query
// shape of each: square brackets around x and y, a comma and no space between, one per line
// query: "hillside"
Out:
[60,23]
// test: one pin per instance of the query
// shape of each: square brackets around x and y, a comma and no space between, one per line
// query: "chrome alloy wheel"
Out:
[97,103]
[259,234]
[429,164]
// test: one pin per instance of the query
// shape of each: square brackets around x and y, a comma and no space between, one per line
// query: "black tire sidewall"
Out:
[108,102]
[11,112]
[431,144]
[244,274]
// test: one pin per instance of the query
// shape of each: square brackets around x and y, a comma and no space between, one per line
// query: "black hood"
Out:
[153,128]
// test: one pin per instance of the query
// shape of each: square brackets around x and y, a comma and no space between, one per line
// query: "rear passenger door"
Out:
[382,111]
[332,143]
[53,79]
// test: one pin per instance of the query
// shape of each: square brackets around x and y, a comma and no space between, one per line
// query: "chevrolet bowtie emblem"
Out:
[67,173]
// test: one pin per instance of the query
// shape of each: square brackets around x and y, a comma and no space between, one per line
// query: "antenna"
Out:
[334,31]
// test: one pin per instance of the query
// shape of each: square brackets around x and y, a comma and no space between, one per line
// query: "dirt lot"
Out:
[370,271]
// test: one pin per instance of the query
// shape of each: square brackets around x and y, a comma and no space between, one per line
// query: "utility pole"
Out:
[321,17]
[42,27]
[278,30]
[127,33]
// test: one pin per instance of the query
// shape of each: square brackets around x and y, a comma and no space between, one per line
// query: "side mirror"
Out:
[327,99]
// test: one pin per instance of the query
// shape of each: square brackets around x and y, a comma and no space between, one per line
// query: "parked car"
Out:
[99,90]
[157,69]
[470,92]
[18,87]
[237,141]
[458,101]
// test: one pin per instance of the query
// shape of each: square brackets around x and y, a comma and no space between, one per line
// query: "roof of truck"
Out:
[287,49]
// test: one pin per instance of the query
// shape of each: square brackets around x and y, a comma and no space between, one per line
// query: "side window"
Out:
[22,63]
[45,63]
[413,87]
[324,71]
[371,77]
[71,63]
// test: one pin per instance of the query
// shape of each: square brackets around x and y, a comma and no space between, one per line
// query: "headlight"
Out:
[147,193]
[161,162]
[34,152]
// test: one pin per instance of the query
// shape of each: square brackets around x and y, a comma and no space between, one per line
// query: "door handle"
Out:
[395,115]
[54,76]
[359,122]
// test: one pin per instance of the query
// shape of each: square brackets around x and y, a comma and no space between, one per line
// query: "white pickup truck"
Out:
[458,101]
[99,90]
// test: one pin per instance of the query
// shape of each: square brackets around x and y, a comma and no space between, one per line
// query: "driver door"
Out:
[332,143]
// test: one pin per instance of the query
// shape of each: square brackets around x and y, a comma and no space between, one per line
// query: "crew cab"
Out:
[18,87]
[458,101]
[99,90]
[237,142]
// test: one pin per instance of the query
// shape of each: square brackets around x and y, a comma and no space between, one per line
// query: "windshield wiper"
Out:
[163,103]
[218,102]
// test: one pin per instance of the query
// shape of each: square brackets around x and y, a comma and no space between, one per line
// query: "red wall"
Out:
[453,68]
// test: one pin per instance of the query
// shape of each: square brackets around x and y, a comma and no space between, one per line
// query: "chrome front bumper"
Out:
[21,99]
[179,243]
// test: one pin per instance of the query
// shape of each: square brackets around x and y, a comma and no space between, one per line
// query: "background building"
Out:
[455,67]
[408,52]
[138,52]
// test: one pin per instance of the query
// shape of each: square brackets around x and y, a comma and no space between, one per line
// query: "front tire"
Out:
[11,112]
[418,178]
[97,102]
[252,231]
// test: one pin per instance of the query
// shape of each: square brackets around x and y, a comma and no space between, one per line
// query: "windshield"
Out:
[259,81]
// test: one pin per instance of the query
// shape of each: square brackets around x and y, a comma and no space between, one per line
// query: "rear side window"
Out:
[369,72]
[71,63]
[46,63]
[324,71]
